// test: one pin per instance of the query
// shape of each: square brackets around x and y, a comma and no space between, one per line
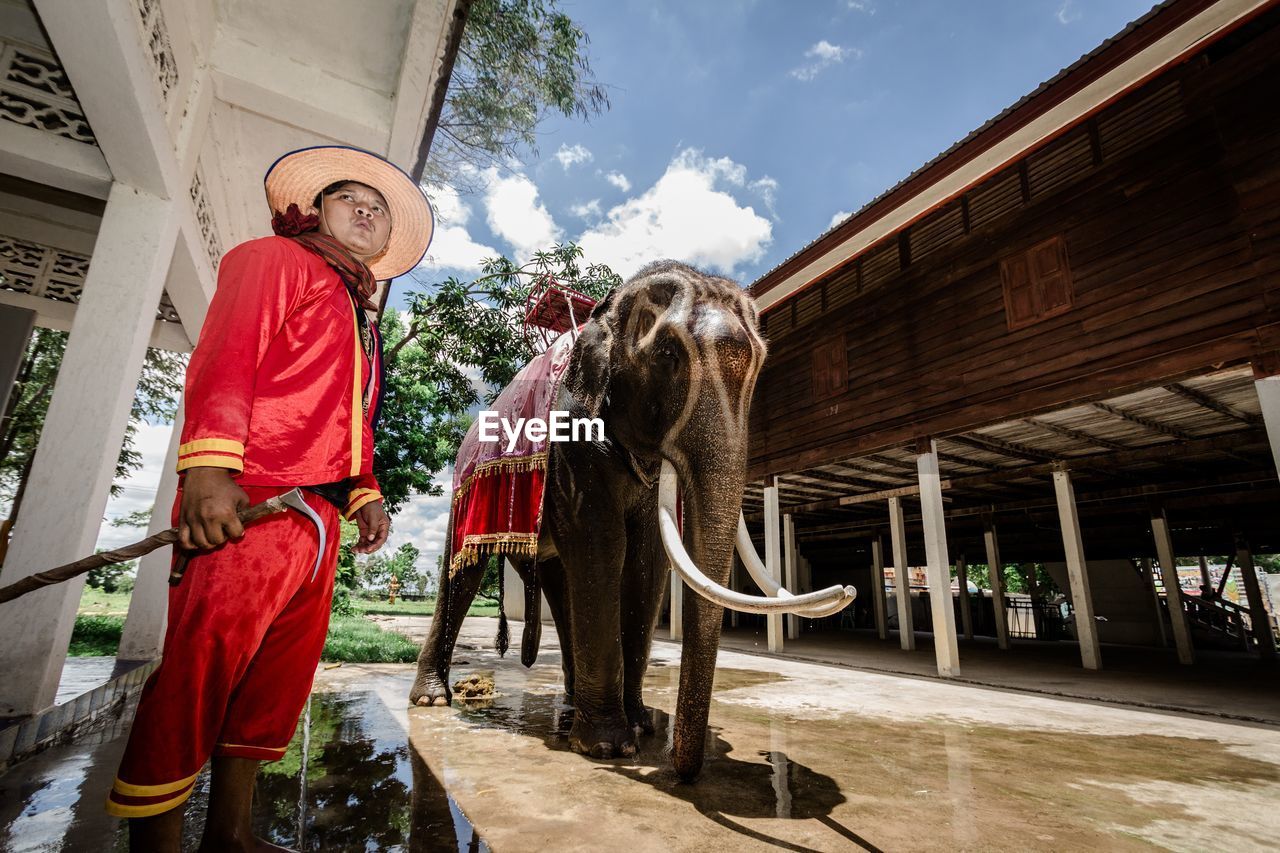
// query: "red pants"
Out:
[246,628]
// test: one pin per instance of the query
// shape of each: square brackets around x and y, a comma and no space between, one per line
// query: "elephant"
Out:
[668,361]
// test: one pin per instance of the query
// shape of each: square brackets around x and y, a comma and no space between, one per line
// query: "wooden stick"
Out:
[121,555]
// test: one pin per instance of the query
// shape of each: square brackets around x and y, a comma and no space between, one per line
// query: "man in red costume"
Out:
[282,391]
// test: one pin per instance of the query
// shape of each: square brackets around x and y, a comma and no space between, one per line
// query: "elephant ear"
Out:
[589,370]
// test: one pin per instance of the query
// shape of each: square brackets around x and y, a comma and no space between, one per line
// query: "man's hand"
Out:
[210,501]
[374,526]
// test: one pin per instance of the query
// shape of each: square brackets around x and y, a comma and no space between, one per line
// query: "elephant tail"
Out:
[532,619]
[503,641]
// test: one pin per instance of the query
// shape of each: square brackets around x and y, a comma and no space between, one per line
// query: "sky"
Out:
[738,132]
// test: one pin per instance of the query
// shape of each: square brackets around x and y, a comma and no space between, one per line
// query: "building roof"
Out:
[1167,35]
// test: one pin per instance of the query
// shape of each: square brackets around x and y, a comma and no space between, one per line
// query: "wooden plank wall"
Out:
[1173,237]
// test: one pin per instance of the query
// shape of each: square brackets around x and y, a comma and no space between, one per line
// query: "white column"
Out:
[901,576]
[966,606]
[1077,571]
[878,600]
[1172,590]
[675,617]
[75,459]
[790,571]
[938,565]
[512,592]
[1149,577]
[996,571]
[144,627]
[1268,389]
[773,558]
[1259,619]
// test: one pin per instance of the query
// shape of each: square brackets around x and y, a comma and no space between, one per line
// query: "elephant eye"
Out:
[667,352]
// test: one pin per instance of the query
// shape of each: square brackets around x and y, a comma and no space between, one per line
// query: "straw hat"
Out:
[297,177]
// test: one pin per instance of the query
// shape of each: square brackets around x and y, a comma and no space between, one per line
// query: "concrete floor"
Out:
[803,756]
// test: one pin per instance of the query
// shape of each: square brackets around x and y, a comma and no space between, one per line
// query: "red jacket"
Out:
[275,387]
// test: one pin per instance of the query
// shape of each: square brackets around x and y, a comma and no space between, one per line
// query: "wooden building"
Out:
[1059,340]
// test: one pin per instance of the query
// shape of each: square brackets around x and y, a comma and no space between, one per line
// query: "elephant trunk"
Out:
[712,505]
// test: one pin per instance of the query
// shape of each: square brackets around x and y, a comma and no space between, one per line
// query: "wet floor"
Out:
[800,757]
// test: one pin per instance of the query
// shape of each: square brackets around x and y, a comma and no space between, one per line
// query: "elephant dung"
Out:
[474,687]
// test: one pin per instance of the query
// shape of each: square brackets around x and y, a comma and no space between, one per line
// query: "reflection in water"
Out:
[349,781]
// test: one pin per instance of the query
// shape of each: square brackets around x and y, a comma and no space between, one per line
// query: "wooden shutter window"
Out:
[830,369]
[1037,283]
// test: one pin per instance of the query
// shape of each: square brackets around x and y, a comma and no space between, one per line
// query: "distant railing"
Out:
[1037,620]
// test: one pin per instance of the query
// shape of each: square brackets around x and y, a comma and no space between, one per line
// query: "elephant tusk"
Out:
[760,574]
[684,566]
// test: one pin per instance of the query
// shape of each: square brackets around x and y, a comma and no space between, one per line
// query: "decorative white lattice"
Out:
[49,273]
[156,36]
[35,91]
[204,216]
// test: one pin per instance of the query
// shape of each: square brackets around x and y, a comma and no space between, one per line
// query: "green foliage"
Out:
[135,519]
[518,61]
[357,640]
[114,578]
[96,635]
[377,571]
[1015,578]
[449,329]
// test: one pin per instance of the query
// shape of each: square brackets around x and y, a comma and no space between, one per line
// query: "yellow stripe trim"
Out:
[211,460]
[125,810]
[223,445]
[355,493]
[352,508]
[121,787]
[357,398]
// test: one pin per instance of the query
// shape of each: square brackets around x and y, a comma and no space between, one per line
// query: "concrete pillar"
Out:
[75,459]
[144,627]
[791,572]
[675,601]
[992,542]
[878,601]
[945,645]
[1077,571]
[15,333]
[512,590]
[1149,576]
[1172,591]
[1259,619]
[966,606]
[901,576]
[773,558]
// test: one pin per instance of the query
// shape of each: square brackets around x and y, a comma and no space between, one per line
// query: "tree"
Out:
[518,61]
[452,336]
[377,571]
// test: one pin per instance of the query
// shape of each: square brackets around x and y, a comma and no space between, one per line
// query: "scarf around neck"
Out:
[354,273]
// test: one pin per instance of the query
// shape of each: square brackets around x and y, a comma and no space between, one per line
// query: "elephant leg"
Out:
[431,687]
[593,573]
[551,578]
[643,582]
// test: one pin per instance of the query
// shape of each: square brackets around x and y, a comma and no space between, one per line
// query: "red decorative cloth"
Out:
[497,492]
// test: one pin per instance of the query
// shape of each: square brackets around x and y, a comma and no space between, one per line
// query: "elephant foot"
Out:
[602,740]
[429,690]
[640,719]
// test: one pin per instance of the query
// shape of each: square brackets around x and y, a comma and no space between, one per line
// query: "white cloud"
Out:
[515,214]
[838,217]
[688,215]
[767,187]
[863,6]
[590,210]
[619,180]
[138,491]
[571,155]
[451,244]
[822,56]
[424,522]
[1068,13]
